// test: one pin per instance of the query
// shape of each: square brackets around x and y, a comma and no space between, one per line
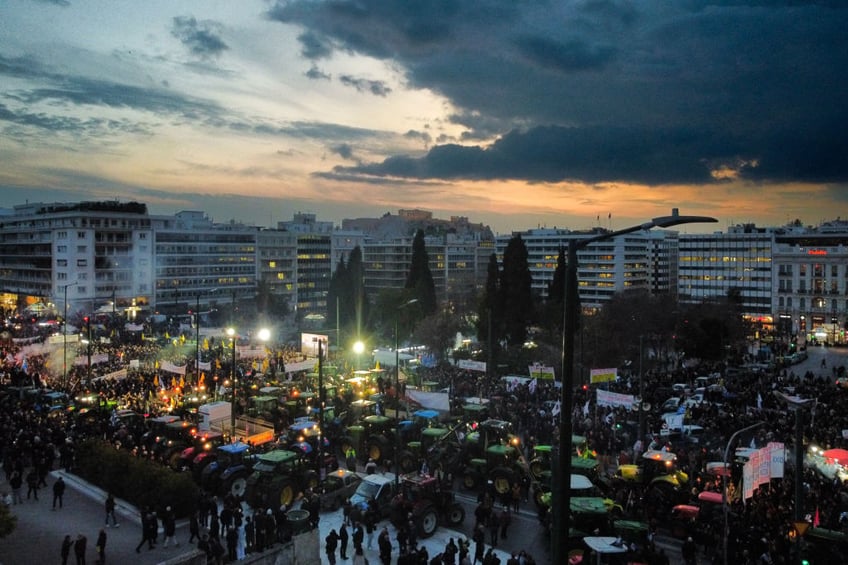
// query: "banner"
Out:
[607,398]
[748,480]
[432,400]
[205,366]
[603,375]
[171,368]
[777,456]
[115,375]
[538,371]
[250,352]
[308,365]
[469,365]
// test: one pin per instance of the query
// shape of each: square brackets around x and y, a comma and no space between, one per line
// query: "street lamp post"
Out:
[561,490]
[320,407]
[724,473]
[232,333]
[397,386]
[65,334]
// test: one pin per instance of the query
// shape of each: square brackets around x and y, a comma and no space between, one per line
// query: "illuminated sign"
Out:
[817,252]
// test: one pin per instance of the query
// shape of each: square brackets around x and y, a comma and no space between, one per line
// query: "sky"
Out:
[526,114]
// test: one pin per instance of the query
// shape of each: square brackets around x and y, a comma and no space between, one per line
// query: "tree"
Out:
[336,293]
[552,313]
[516,289]
[488,313]
[437,332]
[419,278]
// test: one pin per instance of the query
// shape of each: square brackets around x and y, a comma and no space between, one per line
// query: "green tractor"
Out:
[278,476]
[662,484]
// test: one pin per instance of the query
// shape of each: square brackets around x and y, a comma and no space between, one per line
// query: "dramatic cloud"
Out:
[752,82]
[375,87]
[203,38]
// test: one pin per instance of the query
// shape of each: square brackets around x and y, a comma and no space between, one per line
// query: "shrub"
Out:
[143,483]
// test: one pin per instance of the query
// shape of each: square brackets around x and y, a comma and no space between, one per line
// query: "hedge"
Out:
[143,483]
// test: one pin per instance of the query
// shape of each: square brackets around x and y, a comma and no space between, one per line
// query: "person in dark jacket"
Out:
[358,537]
[100,547]
[331,542]
[67,544]
[343,541]
[58,492]
[79,549]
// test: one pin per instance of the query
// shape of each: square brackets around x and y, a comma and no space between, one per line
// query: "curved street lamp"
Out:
[561,492]
[397,386]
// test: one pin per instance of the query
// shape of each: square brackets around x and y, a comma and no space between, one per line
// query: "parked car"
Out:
[337,487]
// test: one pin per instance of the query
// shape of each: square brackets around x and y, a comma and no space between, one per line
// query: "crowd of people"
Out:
[35,440]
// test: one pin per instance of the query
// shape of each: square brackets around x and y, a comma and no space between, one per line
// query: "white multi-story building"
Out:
[627,262]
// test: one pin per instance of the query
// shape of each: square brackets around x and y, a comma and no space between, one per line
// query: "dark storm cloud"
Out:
[343,150]
[754,81]
[375,87]
[314,47]
[564,56]
[316,74]
[202,38]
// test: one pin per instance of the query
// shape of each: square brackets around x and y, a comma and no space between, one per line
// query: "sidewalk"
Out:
[40,530]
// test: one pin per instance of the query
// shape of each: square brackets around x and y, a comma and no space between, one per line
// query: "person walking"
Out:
[65,552]
[331,542]
[58,492]
[193,527]
[79,549]
[358,538]
[232,537]
[148,529]
[100,547]
[384,543]
[110,510]
[169,527]
[32,484]
[16,482]
[344,537]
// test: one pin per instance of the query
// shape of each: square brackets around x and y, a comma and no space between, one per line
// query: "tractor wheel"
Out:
[285,493]
[536,468]
[428,520]
[503,479]
[378,448]
[407,462]
[311,479]
[175,461]
[537,497]
[345,444]
[455,514]
[470,480]
[236,485]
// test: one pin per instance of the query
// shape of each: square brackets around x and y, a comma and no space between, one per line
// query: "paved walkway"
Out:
[40,530]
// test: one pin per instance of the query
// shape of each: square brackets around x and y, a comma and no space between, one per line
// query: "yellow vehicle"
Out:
[658,476]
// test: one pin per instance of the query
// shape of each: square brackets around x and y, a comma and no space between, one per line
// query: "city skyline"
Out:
[515,115]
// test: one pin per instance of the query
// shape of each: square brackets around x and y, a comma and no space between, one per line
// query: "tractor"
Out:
[277,478]
[200,453]
[661,483]
[229,471]
[423,497]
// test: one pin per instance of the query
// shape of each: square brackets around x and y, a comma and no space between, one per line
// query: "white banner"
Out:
[171,368]
[748,480]
[470,365]
[205,366]
[114,375]
[96,359]
[433,400]
[607,398]
[777,456]
[248,352]
[308,365]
